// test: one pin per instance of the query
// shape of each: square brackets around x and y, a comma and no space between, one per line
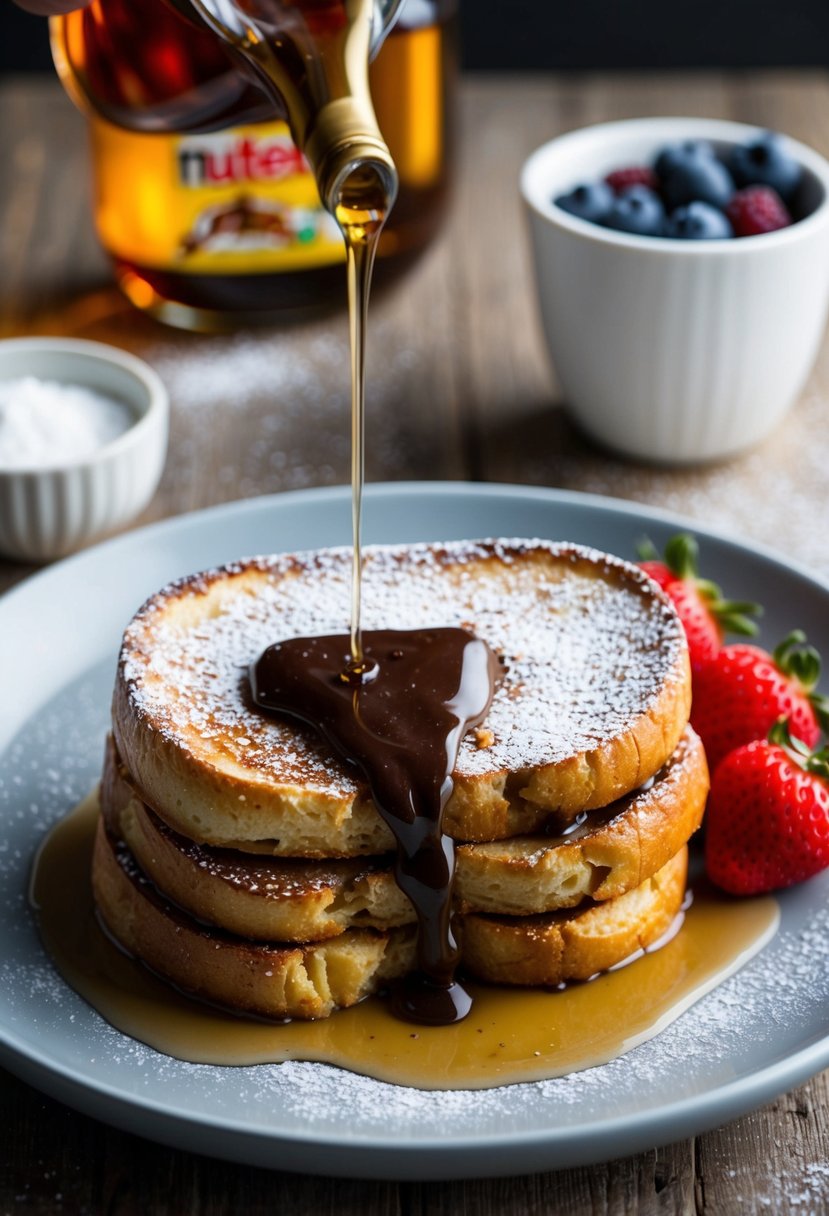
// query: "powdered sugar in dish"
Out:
[44,423]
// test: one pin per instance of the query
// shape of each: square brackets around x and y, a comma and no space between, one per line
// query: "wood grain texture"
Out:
[460,387]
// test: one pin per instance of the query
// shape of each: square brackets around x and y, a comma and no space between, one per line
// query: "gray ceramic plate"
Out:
[762,1032]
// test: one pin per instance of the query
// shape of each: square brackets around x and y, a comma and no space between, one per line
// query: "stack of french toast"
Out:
[245,863]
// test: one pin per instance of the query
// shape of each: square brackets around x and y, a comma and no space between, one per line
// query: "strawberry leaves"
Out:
[816,761]
[705,613]
[801,663]
[682,559]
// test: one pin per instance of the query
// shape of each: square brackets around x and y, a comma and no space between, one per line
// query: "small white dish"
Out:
[49,511]
[674,351]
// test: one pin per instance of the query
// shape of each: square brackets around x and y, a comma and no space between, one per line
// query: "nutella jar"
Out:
[208,210]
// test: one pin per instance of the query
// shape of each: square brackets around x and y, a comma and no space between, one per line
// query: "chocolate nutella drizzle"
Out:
[401,726]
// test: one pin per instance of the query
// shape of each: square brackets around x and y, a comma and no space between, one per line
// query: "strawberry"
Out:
[742,692]
[768,815]
[706,616]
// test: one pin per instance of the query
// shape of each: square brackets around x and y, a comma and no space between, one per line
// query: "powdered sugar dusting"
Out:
[803,1189]
[588,634]
[772,1009]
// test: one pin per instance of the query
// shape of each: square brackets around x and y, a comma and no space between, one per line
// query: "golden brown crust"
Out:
[273,981]
[612,852]
[559,947]
[278,981]
[595,699]
[297,900]
[267,899]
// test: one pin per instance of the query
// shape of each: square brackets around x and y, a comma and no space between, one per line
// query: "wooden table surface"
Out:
[460,388]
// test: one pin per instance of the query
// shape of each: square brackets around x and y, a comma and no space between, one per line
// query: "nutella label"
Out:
[231,157]
[230,202]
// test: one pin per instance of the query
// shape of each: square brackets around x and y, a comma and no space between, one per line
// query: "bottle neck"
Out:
[320,74]
[344,148]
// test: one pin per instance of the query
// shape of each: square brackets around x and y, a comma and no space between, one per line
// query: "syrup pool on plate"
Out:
[511,1035]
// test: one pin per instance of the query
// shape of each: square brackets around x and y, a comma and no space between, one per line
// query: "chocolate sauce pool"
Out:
[400,723]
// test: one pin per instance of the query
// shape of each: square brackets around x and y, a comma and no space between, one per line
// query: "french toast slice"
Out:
[561,946]
[610,852]
[277,981]
[271,980]
[613,851]
[594,698]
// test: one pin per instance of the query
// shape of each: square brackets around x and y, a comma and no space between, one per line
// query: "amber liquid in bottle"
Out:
[157,193]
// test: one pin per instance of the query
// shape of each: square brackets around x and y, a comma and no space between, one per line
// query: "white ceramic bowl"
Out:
[668,350]
[50,511]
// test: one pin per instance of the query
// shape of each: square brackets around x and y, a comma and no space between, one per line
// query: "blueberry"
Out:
[698,222]
[697,179]
[638,210]
[676,154]
[765,162]
[589,202]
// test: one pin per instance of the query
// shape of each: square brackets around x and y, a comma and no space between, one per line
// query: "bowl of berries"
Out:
[682,268]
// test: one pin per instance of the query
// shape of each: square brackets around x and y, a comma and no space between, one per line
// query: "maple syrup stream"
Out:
[398,708]
[394,704]
[361,219]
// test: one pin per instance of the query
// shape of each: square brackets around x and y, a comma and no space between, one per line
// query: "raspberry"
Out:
[757,209]
[633,175]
